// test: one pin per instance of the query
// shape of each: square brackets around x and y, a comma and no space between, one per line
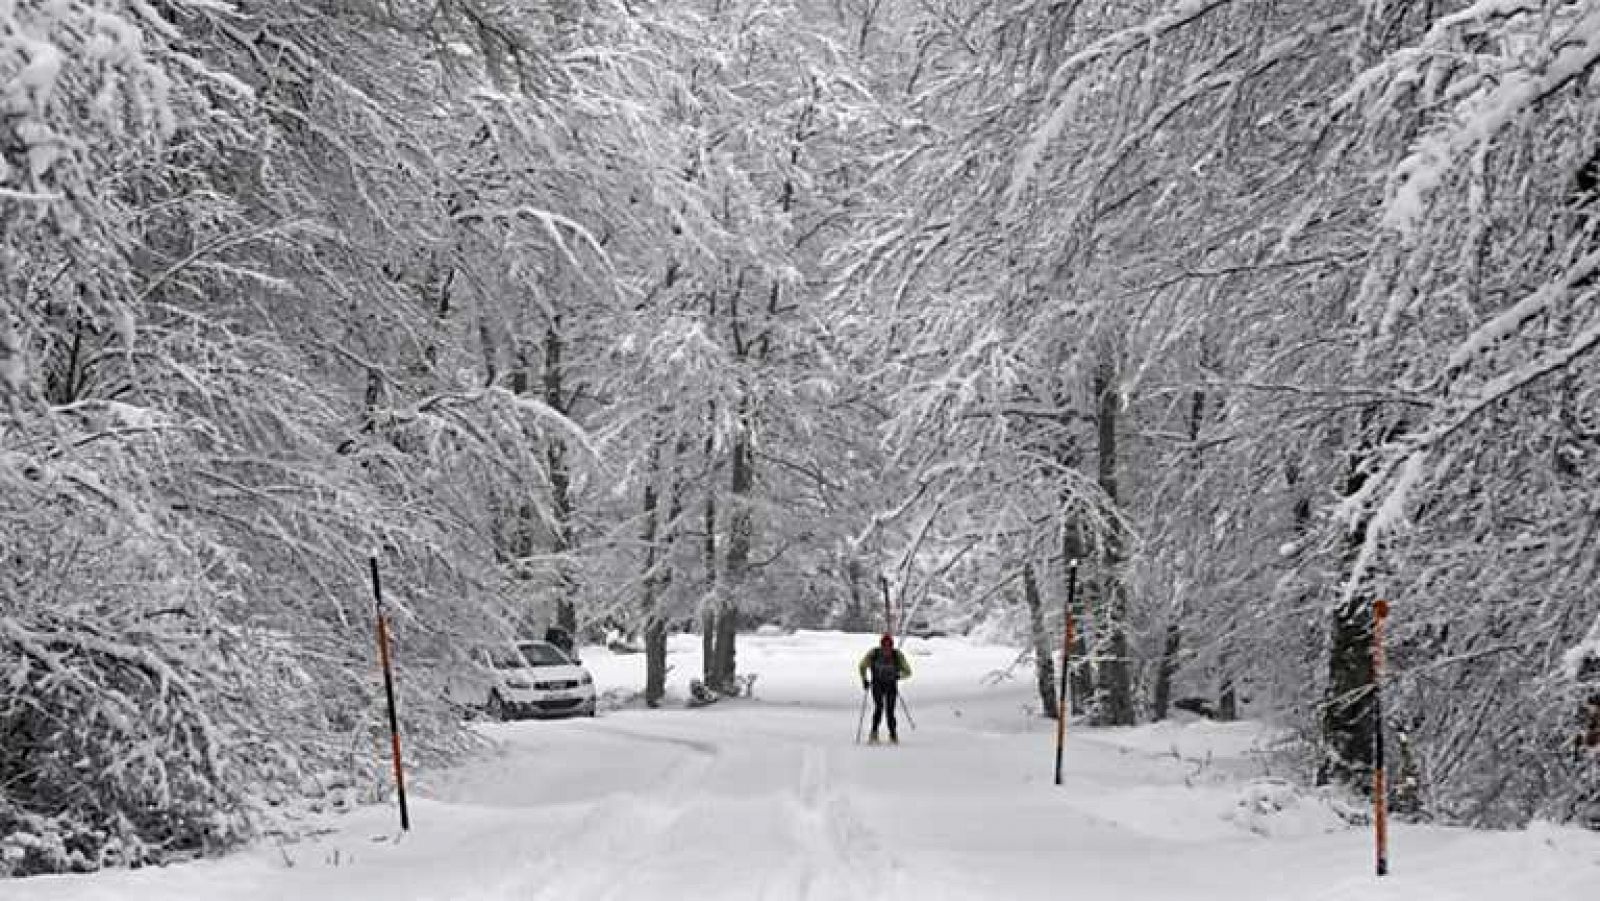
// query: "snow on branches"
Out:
[77,80]
[1537,56]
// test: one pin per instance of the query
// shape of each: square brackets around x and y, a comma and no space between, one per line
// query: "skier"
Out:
[887,666]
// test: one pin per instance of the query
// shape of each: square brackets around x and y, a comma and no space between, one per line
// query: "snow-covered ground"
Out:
[771,799]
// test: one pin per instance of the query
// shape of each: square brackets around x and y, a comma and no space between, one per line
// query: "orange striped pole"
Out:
[1063,703]
[1380,781]
[388,690]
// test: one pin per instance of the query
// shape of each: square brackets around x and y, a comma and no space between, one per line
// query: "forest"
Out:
[645,316]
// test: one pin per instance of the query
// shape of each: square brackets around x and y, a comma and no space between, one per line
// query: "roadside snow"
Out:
[769,798]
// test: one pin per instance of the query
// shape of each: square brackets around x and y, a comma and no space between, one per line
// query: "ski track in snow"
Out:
[812,843]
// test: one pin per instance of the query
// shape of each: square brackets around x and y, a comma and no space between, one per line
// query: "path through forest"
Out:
[772,799]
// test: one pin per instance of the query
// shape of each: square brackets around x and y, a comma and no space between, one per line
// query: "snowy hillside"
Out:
[771,799]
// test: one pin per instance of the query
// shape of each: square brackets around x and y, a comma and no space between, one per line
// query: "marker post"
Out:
[388,690]
[1063,702]
[1380,776]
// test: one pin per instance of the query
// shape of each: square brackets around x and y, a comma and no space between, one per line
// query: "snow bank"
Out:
[1279,808]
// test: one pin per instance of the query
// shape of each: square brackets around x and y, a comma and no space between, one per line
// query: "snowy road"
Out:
[772,799]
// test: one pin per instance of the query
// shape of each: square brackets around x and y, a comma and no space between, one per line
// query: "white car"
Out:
[527,679]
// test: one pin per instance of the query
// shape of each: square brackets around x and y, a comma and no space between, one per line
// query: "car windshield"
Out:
[541,653]
[505,658]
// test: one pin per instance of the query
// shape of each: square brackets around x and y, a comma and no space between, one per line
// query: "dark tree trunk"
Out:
[655,631]
[524,525]
[708,608]
[1161,697]
[655,661]
[1227,699]
[655,657]
[1115,669]
[740,533]
[1044,644]
[1080,676]
[855,615]
[560,485]
[724,649]
[1347,718]
[1172,645]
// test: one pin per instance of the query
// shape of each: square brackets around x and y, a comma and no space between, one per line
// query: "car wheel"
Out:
[496,707]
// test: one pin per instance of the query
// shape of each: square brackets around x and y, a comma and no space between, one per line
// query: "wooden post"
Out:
[1063,702]
[1380,784]
[388,690]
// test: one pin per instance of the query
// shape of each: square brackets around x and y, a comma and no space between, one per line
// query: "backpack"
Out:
[885,667]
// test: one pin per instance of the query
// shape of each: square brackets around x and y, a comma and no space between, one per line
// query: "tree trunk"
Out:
[655,661]
[1115,669]
[855,616]
[560,486]
[655,656]
[1080,676]
[1162,695]
[708,607]
[523,528]
[1228,698]
[655,632]
[1172,646]
[1044,644]
[740,533]
[1347,718]
[723,647]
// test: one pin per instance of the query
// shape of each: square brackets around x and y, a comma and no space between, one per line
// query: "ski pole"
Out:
[862,719]
[1380,780]
[906,709]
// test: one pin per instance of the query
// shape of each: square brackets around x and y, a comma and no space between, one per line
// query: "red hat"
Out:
[887,641]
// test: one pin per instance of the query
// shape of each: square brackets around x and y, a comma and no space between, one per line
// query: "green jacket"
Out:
[900,664]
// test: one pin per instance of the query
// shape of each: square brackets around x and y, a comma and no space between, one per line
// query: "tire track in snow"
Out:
[697,745]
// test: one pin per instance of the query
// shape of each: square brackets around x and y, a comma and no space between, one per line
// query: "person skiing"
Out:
[887,667]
